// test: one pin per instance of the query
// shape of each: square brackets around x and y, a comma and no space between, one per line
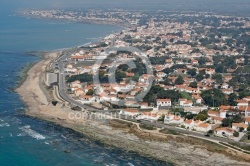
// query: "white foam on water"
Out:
[21,135]
[4,125]
[46,143]
[130,164]
[32,133]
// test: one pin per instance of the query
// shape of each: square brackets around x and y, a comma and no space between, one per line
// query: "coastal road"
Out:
[180,130]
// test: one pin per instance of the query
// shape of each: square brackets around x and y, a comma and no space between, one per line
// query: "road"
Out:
[180,130]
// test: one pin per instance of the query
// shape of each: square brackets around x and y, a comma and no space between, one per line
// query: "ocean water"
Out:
[26,141]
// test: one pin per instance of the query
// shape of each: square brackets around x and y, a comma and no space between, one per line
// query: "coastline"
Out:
[170,151]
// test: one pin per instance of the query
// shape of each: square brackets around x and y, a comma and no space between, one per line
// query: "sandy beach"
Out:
[167,148]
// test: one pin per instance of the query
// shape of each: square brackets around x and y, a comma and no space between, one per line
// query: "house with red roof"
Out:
[224,132]
[242,103]
[237,126]
[87,99]
[189,124]
[173,119]
[129,112]
[247,121]
[163,102]
[203,127]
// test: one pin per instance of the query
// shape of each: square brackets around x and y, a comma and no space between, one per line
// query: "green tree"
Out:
[237,118]
[90,92]
[191,72]
[81,77]
[214,97]
[241,129]
[193,84]
[201,116]
[236,134]
[217,78]
[119,75]
[199,77]
[231,99]
[179,80]
[227,122]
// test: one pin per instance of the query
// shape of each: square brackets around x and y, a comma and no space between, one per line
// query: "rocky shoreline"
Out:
[176,150]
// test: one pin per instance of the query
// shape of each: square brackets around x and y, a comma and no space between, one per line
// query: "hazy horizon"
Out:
[222,6]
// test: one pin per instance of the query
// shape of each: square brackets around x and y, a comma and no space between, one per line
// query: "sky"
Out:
[196,5]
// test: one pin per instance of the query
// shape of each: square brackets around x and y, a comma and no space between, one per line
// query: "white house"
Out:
[213,113]
[237,126]
[197,99]
[188,124]
[160,74]
[170,118]
[217,120]
[87,99]
[247,121]
[242,103]
[203,127]
[163,102]
[224,132]
[185,102]
[129,112]
[247,98]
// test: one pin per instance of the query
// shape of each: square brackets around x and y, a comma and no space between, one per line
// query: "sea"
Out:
[26,141]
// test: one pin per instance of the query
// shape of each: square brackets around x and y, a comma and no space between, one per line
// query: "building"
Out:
[173,119]
[129,112]
[213,113]
[163,102]
[242,103]
[217,120]
[237,126]
[224,132]
[185,102]
[189,124]
[203,127]
[86,99]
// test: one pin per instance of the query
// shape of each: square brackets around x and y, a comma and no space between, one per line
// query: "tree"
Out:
[193,84]
[81,77]
[231,99]
[210,132]
[214,97]
[199,77]
[201,116]
[179,80]
[226,122]
[90,92]
[236,134]
[123,67]
[237,118]
[167,70]
[248,128]
[189,116]
[217,78]
[241,129]
[191,72]
[119,75]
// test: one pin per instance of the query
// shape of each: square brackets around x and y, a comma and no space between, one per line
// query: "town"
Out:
[201,72]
